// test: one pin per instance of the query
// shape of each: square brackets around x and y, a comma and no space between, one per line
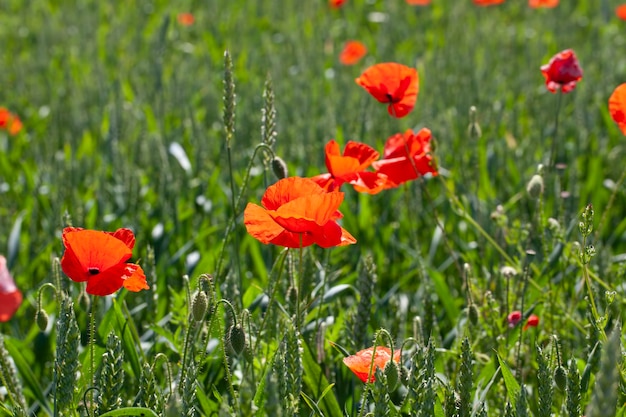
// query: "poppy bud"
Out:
[392,375]
[560,377]
[237,339]
[83,301]
[535,186]
[199,305]
[472,313]
[279,166]
[41,317]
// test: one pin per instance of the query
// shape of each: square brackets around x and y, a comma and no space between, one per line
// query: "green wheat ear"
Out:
[130,411]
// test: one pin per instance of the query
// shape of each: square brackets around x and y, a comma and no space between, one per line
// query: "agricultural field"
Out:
[316,208]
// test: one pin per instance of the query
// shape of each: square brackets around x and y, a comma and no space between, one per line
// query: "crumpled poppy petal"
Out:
[562,72]
[360,362]
[319,208]
[326,181]
[289,189]
[370,182]
[362,153]
[260,224]
[136,280]
[617,106]
[125,235]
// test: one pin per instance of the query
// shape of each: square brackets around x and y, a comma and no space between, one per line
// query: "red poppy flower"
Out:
[620,11]
[393,84]
[352,52]
[400,167]
[185,19]
[351,168]
[360,362]
[9,121]
[533,321]
[10,296]
[543,3]
[487,2]
[617,106]
[100,259]
[297,213]
[514,318]
[335,4]
[562,72]
[418,2]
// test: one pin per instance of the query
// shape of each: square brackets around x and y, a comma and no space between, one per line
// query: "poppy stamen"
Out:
[93,271]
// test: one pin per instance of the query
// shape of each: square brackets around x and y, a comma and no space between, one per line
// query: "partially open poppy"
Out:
[400,167]
[10,295]
[99,258]
[360,362]
[487,2]
[351,168]
[562,72]
[297,213]
[617,106]
[392,83]
[543,3]
[352,52]
[620,11]
[9,121]
[533,321]
[185,19]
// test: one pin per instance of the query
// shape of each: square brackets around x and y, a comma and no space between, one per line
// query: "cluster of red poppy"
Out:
[9,121]
[515,317]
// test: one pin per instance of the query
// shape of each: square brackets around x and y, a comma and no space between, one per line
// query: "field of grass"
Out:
[127,124]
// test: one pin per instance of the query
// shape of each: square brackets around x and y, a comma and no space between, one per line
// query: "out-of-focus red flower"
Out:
[562,72]
[297,213]
[9,121]
[487,2]
[100,259]
[10,295]
[418,2]
[400,166]
[335,4]
[617,106]
[185,19]
[620,11]
[351,168]
[352,52]
[391,83]
[360,362]
[533,321]
[536,4]
[514,318]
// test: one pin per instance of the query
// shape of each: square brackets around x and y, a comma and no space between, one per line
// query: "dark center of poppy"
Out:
[93,271]
[389,98]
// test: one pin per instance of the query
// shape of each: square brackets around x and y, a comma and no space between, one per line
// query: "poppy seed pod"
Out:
[279,166]
[199,305]
[237,339]
[41,318]
[535,186]
[560,377]
[392,375]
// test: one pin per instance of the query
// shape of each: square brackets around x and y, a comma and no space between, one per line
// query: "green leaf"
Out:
[512,387]
[317,384]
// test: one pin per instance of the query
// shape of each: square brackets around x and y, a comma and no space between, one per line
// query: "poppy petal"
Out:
[289,189]
[617,106]
[318,208]
[9,303]
[352,52]
[135,278]
[392,83]
[125,235]
[370,182]
[260,224]
[107,282]
[360,362]
[326,181]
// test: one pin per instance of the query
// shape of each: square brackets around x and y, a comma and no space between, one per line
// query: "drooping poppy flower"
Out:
[335,4]
[360,362]
[620,11]
[562,72]
[617,106]
[297,213]
[352,52]
[9,121]
[99,258]
[533,321]
[536,4]
[487,2]
[186,19]
[10,295]
[351,168]
[418,2]
[392,83]
[400,167]
[514,318]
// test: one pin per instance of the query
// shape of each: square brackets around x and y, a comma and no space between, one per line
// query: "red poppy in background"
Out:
[617,106]
[99,258]
[335,4]
[562,72]
[533,321]
[351,168]
[352,52]
[620,11]
[186,19]
[514,318]
[10,296]
[400,167]
[297,213]
[360,362]
[418,2]
[487,2]
[9,121]
[543,3]
[392,83]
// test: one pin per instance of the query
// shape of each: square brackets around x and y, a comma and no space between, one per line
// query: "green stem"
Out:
[554,150]
[92,347]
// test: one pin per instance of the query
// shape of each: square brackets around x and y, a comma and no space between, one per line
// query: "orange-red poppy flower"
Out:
[487,2]
[351,168]
[9,121]
[10,295]
[185,19]
[100,259]
[533,321]
[297,213]
[620,11]
[562,72]
[400,167]
[617,106]
[360,362]
[335,4]
[536,4]
[418,2]
[352,52]
[392,83]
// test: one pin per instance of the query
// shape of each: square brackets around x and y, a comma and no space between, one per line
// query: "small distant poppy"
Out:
[352,52]
[335,4]
[533,321]
[543,3]
[9,121]
[418,2]
[296,212]
[10,295]
[360,362]
[620,11]
[186,19]
[562,72]
[99,258]
[351,168]
[617,106]
[487,2]
[392,83]
[514,318]
[400,167]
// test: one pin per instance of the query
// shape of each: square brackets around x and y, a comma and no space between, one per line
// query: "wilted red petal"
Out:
[562,72]
[352,52]
[617,106]
[10,295]
[543,3]
[360,362]
[620,11]
[394,84]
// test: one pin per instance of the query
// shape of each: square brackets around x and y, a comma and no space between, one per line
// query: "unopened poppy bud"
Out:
[472,313]
[279,166]
[473,130]
[83,301]
[560,377]
[392,375]
[41,317]
[535,186]
[237,339]
[199,305]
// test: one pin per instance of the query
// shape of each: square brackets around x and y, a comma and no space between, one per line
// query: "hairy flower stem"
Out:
[92,348]
[554,150]
[222,334]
